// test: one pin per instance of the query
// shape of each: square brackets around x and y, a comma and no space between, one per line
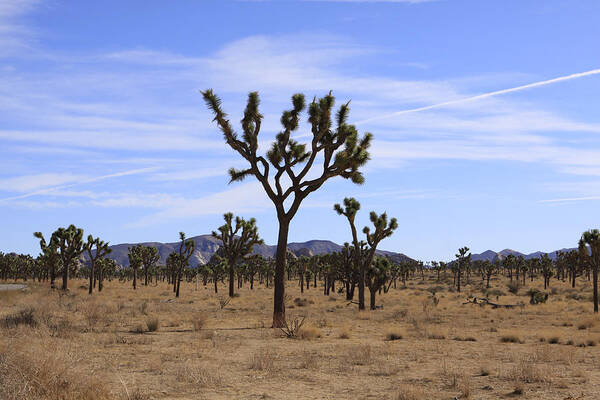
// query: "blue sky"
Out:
[102,124]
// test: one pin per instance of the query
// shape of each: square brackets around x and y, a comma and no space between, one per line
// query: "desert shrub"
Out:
[292,329]
[198,321]
[586,323]
[344,333]
[437,334]
[410,392]
[197,374]
[465,387]
[526,371]
[536,296]
[518,390]
[262,360]
[308,360]
[144,307]
[21,317]
[393,335]
[300,302]
[223,301]
[152,324]
[60,327]
[464,339]
[511,337]
[309,333]
[360,355]
[139,328]
[514,287]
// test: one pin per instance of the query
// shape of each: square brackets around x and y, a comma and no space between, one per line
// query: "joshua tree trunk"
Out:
[373,293]
[65,275]
[231,277]
[92,276]
[595,277]
[52,275]
[134,279]
[280,260]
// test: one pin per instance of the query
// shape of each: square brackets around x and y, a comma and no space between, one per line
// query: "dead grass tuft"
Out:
[262,360]
[410,392]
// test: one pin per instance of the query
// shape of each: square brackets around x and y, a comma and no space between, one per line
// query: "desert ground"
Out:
[146,344]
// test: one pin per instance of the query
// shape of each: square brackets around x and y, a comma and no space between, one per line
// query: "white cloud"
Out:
[244,198]
[27,183]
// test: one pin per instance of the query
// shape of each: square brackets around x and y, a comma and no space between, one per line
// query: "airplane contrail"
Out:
[89,180]
[483,96]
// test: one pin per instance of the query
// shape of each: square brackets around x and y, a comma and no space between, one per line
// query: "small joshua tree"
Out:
[49,257]
[135,261]
[186,249]
[378,274]
[237,242]
[150,257]
[364,253]
[102,250]
[463,259]
[340,148]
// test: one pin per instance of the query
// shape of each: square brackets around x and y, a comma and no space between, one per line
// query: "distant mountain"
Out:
[493,256]
[206,246]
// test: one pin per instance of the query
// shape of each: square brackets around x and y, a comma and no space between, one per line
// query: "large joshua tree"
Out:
[237,242]
[67,244]
[591,238]
[102,250]
[337,148]
[365,252]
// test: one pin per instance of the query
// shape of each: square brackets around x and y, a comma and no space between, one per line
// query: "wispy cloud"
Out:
[78,182]
[570,199]
[484,95]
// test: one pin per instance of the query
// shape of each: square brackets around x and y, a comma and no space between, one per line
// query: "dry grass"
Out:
[74,346]
[28,372]
[410,392]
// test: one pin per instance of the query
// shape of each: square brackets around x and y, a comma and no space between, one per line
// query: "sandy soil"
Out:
[203,351]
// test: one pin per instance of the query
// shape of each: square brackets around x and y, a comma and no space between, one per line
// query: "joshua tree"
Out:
[378,274]
[186,249]
[341,150]
[235,247]
[49,256]
[102,250]
[106,266]
[547,272]
[365,252]
[150,257]
[135,261]
[463,258]
[68,244]
[302,264]
[489,268]
[591,239]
